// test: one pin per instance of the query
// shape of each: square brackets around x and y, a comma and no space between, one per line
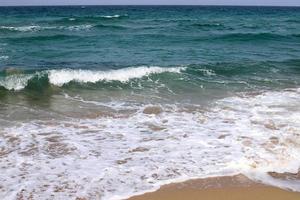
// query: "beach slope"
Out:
[219,188]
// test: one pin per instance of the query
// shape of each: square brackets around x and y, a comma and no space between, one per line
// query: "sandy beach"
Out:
[220,188]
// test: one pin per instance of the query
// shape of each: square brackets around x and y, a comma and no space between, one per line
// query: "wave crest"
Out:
[21,28]
[42,28]
[63,76]
[15,82]
[113,16]
[4,57]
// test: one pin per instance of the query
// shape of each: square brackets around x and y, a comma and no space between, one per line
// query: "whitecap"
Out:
[78,27]
[15,82]
[41,28]
[111,16]
[4,57]
[22,28]
[63,76]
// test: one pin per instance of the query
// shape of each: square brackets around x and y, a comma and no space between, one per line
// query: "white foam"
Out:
[111,16]
[22,28]
[79,27]
[40,28]
[208,72]
[115,157]
[4,57]
[16,81]
[61,77]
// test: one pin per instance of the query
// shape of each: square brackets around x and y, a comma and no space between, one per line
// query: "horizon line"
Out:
[212,5]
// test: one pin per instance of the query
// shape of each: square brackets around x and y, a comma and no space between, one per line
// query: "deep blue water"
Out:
[76,37]
[235,43]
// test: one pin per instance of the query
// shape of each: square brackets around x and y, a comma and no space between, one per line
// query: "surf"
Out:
[61,77]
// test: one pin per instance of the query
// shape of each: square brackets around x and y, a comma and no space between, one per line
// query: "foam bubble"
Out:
[111,157]
[16,81]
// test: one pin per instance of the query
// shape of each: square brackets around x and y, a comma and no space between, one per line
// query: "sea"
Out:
[105,102]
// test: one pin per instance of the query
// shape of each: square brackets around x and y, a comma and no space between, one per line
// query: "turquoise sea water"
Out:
[103,102]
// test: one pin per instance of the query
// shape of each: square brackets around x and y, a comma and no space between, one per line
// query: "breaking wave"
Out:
[64,76]
[113,16]
[41,28]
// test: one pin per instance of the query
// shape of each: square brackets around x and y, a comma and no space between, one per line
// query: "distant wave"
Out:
[85,19]
[111,16]
[247,36]
[252,36]
[41,28]
[296,35]
[79,27]
[110,26]
[207,25]
[21,28]
[43,38]
[4,57]
[293,21]
[64,76]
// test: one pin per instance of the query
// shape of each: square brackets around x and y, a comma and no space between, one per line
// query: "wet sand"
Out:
[236,187]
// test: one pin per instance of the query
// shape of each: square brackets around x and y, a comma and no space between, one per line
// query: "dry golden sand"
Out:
[219,188]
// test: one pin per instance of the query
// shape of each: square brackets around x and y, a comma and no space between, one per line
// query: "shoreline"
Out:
[235,187]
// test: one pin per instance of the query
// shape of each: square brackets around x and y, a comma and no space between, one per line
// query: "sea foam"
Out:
[35,28]
[21,28]
[113,157]
[64,76]
[112,16]
[4,57]
[16,81]
[60,77]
